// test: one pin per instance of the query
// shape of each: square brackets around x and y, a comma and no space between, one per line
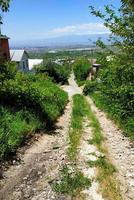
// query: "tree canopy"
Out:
[4,5]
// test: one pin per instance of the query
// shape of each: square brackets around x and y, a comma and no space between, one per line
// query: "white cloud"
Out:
[87,28]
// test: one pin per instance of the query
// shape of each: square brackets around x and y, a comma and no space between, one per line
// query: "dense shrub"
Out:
[13,128]
[27,102]
[117,75]
[43,97]
[81,69]
[7,71]
[58,73]
[116,92]
[90,87]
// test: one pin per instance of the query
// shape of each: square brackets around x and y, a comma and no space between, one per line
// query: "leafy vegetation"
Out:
[97,137]
[116,89]
[90,87]
[58,73]
[15,125]
[42,97]
[31,99]
[106,171]
[81,69]
[106,177]
[63,54]
[71,182]
[4,5]
[78,114]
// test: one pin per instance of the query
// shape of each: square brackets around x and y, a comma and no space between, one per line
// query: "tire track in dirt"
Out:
[41,165]
[121,151]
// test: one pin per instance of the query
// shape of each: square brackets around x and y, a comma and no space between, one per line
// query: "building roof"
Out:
[16,55]
[4,37]
[33,62]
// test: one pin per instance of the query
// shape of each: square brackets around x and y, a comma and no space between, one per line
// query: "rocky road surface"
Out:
[41,163]
[121,151]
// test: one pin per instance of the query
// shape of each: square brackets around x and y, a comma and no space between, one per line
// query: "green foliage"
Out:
[81,69]
[106,171]
[59,73]
[42,97]
[4,5]
[116,91]
[90,87]
[103,163]
[61,54]
[34,101]
[14,126]
[71,182]
[79,112]
[98,137]
[7,71]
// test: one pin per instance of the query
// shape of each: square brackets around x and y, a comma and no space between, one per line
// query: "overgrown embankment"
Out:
[112,91]
[28,102]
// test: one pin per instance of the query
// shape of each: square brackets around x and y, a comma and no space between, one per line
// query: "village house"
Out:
[33,63]
[4,48]
[21,59]
[18,56]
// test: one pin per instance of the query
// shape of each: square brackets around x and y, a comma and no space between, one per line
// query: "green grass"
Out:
[113,112]
[71,182]
[107,179]
[97,137]
[15,125]
[106,171]
[27,102]
[78,114]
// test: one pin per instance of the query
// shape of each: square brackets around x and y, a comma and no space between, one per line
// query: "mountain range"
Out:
[63,41]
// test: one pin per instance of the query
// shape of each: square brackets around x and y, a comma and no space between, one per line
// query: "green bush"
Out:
[27,102]
[115,92]
[81,69]
[14,126]
[90,87]
[43,97]
[58,73]
[7,71]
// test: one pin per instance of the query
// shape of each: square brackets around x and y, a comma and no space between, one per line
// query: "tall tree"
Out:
[117,76]
[4,5]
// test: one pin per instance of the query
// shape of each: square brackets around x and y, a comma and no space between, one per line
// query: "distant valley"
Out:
[71,41]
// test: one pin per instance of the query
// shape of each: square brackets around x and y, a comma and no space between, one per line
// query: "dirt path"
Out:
[42,161]
[41,164]
[88,152]
[121,151]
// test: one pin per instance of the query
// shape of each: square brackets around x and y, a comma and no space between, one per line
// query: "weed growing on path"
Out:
[72,181]
[78,114]
[106,171]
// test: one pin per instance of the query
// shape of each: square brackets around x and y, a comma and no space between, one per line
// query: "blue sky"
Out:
[38,19]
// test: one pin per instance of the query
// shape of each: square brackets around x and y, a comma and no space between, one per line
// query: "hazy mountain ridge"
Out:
[71,40]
